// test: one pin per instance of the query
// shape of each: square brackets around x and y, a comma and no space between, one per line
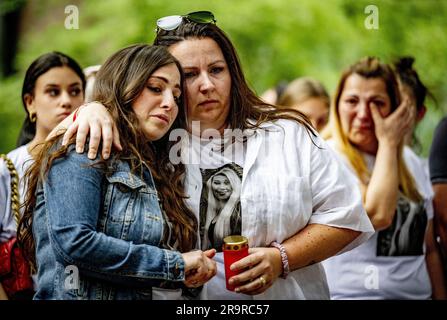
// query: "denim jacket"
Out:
[98,235]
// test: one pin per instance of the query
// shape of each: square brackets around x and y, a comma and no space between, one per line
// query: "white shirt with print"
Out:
[288,182]
[391,264]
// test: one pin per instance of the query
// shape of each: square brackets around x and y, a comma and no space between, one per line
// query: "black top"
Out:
[438,154]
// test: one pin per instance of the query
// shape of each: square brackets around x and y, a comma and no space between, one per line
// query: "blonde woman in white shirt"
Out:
[368,123]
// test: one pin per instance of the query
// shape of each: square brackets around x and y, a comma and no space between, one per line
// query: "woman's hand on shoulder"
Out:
[396,125]
[93,118]
[262,267]
[199,267]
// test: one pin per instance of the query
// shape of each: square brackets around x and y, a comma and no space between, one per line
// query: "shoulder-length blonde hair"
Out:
[223,223]
[369,67]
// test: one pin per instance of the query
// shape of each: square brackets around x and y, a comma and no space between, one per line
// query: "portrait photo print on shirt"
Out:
[405,236]
[220,206]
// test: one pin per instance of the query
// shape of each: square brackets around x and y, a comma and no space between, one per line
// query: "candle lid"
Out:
[235,243]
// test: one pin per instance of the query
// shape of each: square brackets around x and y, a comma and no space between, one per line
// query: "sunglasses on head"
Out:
[172,22]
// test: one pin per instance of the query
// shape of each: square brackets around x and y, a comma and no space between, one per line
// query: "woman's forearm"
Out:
[381,194]
[315,243]
[434,265]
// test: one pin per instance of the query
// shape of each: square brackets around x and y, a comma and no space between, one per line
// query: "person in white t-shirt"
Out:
[53,87]
[297,201]
[367,126]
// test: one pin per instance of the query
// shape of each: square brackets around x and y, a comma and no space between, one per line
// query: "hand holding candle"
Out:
[234,249]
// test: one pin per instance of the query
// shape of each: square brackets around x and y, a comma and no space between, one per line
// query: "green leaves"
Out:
[276,40]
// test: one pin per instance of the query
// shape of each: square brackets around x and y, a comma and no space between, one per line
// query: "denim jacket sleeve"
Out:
[73,200]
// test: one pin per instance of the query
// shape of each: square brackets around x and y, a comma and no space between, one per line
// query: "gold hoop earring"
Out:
[32,117]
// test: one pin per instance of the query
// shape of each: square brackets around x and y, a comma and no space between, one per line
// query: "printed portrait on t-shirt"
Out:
[405,236]
[220,206]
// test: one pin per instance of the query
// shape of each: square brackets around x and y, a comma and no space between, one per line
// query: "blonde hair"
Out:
[369,67]
[223,224]
[301,89]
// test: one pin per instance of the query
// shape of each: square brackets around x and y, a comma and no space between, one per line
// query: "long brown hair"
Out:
[119,82]
[245,104]
[369,67]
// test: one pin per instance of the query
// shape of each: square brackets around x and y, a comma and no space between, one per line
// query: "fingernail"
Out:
[231,281]
[106,155]
[91,155]
[237,290]
[79,149]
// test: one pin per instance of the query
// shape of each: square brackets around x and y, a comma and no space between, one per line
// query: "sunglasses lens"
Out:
[201,16]
[169,22]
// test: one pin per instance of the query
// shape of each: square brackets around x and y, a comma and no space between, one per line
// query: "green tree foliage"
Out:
[276,39]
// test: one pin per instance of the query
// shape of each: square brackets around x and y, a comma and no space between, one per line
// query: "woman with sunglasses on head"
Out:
[53,87]
[297,203]
[367,126]
[119,223]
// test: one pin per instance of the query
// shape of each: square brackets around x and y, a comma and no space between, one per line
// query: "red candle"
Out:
[234,249]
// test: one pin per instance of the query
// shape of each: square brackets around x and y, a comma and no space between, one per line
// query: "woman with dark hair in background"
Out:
[52,80]
[412,88]
[53,87]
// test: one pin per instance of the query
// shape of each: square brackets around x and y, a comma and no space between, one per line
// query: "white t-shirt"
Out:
[214,161]
[288,182]
[391,264]
[19,157]
[221,176]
